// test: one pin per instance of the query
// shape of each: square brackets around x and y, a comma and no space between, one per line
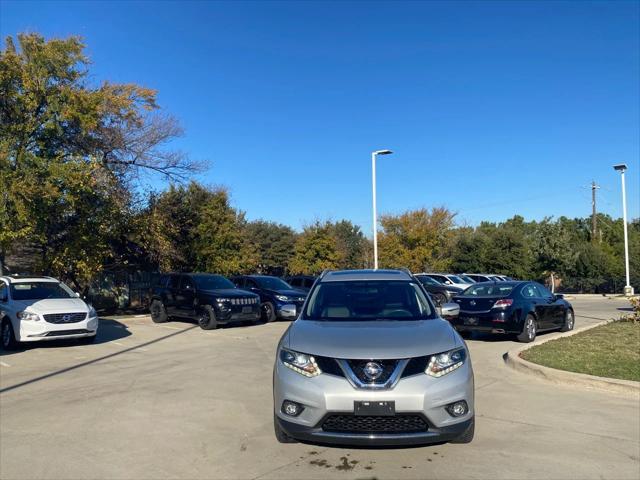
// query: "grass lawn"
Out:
[611,350]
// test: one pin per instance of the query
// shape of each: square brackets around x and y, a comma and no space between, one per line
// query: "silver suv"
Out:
[370,362]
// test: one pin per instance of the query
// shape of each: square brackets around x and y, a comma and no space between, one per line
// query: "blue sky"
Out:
[492,108]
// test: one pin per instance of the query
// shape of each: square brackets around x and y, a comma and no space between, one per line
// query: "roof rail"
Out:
[324,272]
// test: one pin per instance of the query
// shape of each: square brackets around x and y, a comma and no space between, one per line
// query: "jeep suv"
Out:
[370,362]
[42,308]
[211,300]
[277,297]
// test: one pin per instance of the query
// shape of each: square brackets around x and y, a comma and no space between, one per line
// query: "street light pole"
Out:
[375,212]
[621,167]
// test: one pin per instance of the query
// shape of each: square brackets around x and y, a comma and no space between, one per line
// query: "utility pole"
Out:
[594,225]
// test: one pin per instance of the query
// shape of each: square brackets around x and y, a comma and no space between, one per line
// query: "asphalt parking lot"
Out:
[174,401]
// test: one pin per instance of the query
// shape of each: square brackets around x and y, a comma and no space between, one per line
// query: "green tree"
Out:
[273,243]
[315,250]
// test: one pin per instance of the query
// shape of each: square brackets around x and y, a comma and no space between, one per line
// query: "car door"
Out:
[544,308]
[172,291]
[186,297]
[555,307]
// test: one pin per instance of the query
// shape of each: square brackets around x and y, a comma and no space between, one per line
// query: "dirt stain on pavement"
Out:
[321,462]
[345,466]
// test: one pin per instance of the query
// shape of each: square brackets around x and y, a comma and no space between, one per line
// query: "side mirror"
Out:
[558,296]
[288,311]
[76,294]
[449,310]
[448,282]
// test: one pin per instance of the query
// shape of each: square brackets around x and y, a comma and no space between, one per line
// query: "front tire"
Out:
[529,330]
[7,336]
[439,299]
[467,436]
[569,321]
[158,312]
[281,435]
[268,312]
[207,318]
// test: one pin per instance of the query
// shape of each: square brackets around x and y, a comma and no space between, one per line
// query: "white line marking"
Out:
[171,328]
[118,343]
[140,316]
[4,364]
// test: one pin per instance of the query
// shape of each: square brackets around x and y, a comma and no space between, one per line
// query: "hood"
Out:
[53,305]
[288,292]
[385,339]
[229,293]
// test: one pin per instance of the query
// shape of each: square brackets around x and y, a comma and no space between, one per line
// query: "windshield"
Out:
[212,282]
[455,279]
[427,280]
[467,279]
[40,291]
[368,300]
[272,283]
[488,290]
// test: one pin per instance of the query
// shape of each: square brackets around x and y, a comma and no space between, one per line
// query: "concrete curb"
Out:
[512,359]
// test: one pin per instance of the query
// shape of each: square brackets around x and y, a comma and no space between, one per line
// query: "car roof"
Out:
[352,275]
[28,278]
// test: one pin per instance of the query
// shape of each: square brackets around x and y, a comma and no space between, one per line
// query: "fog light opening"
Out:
[292,409]
[458,409]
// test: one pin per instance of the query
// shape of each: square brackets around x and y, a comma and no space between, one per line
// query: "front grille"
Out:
[244,301]
[358,366]
[62,333]
[329,365]
[64,317]
[348,423]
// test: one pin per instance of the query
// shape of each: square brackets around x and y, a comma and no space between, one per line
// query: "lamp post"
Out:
[622,167]
[375,213]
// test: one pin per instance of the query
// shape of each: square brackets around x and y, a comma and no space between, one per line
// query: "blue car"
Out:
[278,299]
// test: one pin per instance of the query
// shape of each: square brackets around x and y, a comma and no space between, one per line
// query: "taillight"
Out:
[503,303]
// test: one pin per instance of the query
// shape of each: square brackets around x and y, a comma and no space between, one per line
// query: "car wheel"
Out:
[7,337]
[268,312]
[467,436]
[207,318]
[528,330]
[281,435]
[158,312]
[569,321]
[439,299]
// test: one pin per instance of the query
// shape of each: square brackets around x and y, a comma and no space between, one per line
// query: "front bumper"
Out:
[317,435]
[31,331]
[418,394]
[237,315]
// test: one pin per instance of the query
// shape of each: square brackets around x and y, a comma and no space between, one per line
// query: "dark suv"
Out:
[212,300]
[278,298]
[440,294]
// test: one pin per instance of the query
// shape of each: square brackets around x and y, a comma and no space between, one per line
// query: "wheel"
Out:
[439,299]
[7,337]
[268,312]
[207,318]
[158,312]
[528,330]
[569,321]
[281,435]
[467,436]
[87,340]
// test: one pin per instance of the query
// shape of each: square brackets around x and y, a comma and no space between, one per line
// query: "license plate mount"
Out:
[377,408]
[471,321]
[247,309]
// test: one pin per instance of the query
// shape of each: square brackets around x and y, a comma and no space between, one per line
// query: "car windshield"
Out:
[455,279]
[368,300]
[488,290]
[272,283]
[467,279]
[212,282]
[40,291]
[427,280]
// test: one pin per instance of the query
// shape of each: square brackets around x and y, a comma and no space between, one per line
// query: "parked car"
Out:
[278,299]
[480,277]
[301,282]
[466,278]
[369,362]
[211,300]
[448,279]
[519,308]
[34,308]
[440,294]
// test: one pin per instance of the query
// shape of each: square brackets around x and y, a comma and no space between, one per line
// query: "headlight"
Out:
[446,362]
[28,316]
[300,362]
[222,300]
[282,298]
[92,312]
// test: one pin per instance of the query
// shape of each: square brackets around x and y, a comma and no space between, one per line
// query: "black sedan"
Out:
[440,294]
[520,308]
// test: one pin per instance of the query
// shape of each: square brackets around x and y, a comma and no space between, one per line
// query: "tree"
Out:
[350,244]
[67,140]
[315,250]
[273,243]
[419,240]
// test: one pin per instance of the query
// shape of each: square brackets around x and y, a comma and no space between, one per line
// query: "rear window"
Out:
[488,290]
[368,300]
